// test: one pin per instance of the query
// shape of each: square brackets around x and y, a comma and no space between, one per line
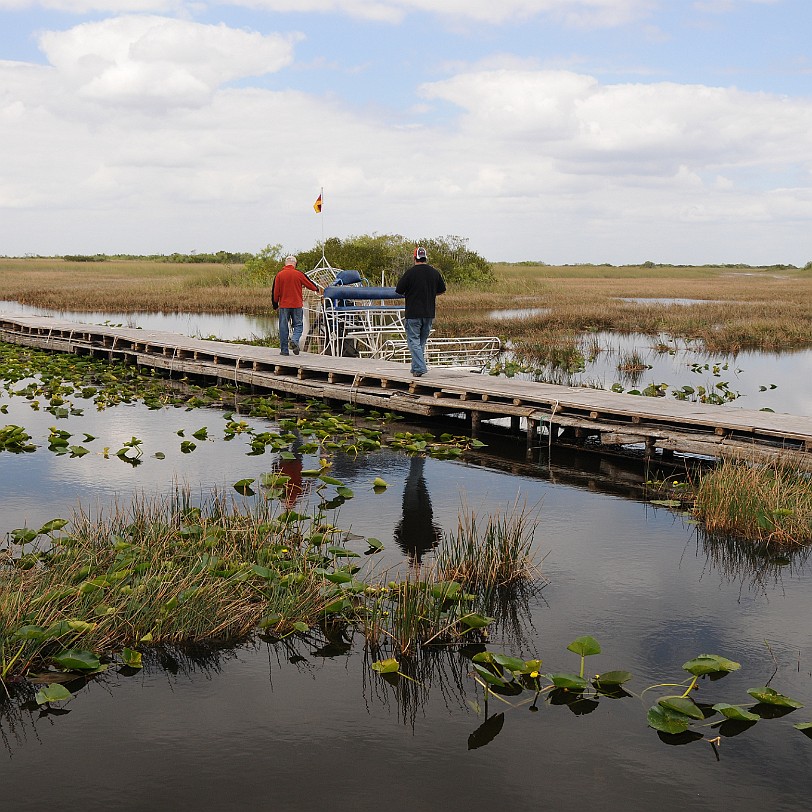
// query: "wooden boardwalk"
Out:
[546,412]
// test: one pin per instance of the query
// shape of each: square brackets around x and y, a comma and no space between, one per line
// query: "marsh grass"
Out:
[166,571]
[476,571]
[489,552]
[771,503]
[160,571]
[731,308]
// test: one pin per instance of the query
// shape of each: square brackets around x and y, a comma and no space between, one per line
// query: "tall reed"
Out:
[770,502]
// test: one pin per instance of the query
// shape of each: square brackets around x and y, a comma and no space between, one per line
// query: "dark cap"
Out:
[420,254]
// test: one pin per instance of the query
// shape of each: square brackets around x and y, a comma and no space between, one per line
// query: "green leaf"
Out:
[380,484]
[585,646]
[330,480]
[612,678]
[489,676]
[375,544]
[475,621]
[513,664]
[390,666]
[131,658]
[710,664]
[52,693]
[301,627]
[736,712]
[681,704]
[667,721]
[771,697]
[572,682]
[805,728]
[77,660]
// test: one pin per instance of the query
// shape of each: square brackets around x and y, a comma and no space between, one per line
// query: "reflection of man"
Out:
[416,533]
[293,486]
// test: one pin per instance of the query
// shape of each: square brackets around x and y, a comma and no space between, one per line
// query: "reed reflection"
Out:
[416,533]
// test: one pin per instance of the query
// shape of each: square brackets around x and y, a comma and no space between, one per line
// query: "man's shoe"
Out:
[418,374]
[294,345]
[282,352]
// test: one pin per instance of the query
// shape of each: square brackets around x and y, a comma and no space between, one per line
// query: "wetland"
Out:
[294,716]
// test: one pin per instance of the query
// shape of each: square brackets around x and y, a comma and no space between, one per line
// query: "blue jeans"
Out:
[417,334]
[288,316]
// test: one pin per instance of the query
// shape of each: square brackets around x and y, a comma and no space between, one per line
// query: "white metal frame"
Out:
[375,328]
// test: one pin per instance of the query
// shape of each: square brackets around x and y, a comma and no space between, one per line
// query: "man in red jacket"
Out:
[286,294]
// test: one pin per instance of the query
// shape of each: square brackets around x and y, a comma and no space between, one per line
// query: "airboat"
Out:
[357,319]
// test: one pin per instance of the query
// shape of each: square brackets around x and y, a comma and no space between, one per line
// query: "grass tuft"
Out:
[766,502]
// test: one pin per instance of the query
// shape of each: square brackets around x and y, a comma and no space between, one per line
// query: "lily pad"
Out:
[736,712]
[710,664]
[769,696]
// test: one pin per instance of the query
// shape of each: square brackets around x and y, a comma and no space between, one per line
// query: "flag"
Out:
[317,205]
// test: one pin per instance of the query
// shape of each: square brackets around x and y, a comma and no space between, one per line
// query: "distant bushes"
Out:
[218,257]
[385,257]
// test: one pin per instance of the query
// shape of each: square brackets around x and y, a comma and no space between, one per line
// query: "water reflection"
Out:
[416,533]
[226,326]
[757,566]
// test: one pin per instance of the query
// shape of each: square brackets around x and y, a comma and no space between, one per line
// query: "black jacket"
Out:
[421,285]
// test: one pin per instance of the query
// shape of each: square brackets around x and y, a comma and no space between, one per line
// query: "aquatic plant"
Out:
[677,718]
[771,502]
[484,554]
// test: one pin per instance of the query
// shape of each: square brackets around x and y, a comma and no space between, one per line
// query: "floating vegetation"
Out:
[678,718]
[165,572]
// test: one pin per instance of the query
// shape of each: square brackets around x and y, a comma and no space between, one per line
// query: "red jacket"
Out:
[287,287]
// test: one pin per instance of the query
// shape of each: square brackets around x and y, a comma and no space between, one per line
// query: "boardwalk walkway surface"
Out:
[577,414]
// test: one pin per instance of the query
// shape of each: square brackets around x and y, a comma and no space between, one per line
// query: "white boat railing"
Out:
[359,320]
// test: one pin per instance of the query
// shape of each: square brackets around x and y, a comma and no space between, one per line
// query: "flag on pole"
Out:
[317,205]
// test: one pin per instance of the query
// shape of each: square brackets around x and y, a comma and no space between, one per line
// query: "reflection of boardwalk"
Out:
[661,425]
[416,533]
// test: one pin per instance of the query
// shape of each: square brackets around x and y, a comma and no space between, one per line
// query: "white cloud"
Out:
[573,12]
[132,140]
[629,128]
[158,61]
[109,6]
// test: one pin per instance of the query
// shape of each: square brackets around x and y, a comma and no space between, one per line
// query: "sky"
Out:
[561,131]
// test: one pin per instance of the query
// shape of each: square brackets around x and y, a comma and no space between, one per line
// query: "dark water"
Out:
[303,725]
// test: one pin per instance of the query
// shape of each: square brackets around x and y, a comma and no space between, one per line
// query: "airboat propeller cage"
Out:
[354,318]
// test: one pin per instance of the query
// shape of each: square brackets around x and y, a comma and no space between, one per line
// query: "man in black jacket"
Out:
[420,285]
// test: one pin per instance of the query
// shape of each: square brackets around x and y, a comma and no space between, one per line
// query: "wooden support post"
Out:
[514,424]
[532,431]
[476,418]
[650,448]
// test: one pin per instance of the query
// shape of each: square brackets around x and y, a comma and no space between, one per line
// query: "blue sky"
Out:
[557,130]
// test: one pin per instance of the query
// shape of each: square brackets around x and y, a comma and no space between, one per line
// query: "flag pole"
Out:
[321,216]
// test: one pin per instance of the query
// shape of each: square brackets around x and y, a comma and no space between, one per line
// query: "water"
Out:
[302,725]
[197,325]
[759,380]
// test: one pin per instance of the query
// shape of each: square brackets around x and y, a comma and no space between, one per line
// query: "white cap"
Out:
[290,260]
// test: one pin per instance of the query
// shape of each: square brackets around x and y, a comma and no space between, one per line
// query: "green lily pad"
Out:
[77,660]
[666,720]
[769,696]
[390,666]
[736,712]
[585,646]
[571,682]
[710,664]
[681,704]
[52,693]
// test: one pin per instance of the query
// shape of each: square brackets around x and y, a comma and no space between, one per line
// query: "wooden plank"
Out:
[440,391]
